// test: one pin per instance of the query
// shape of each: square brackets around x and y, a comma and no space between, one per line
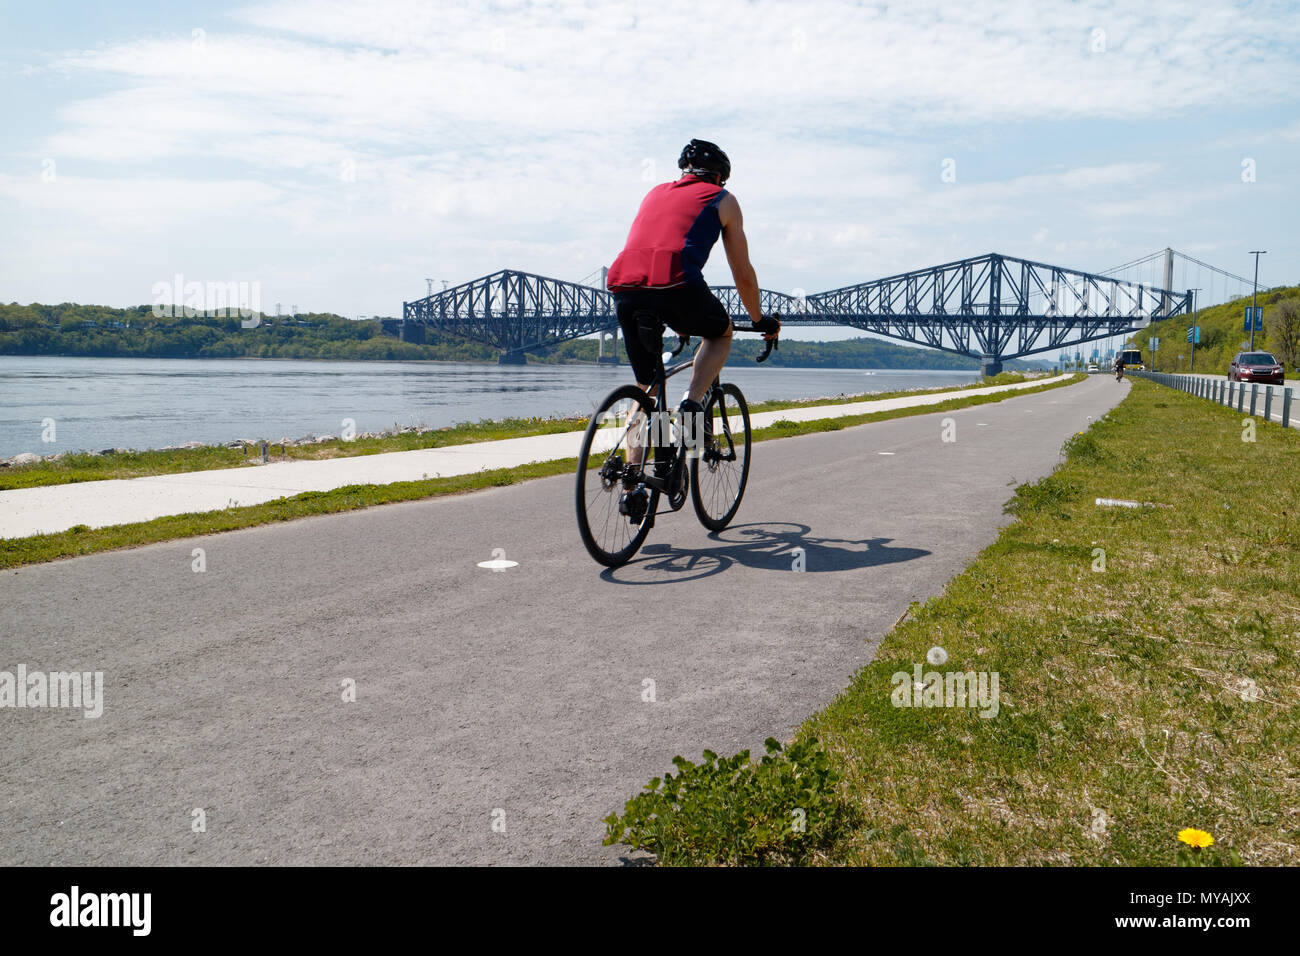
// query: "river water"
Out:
[98,403]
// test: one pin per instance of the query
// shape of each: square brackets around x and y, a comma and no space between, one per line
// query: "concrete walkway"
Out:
[99,504]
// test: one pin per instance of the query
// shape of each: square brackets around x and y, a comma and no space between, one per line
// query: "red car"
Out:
[1259,367]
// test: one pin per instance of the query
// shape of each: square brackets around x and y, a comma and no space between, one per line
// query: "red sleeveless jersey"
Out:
[671,237]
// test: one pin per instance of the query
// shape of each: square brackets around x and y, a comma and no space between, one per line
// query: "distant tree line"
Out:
[93,330]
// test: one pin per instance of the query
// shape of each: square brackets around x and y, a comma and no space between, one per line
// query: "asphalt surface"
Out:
[483,697]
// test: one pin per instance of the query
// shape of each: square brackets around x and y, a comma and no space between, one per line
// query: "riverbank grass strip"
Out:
[1147,664]
[82,540]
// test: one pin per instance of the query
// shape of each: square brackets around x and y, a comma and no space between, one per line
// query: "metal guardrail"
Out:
[1245,397]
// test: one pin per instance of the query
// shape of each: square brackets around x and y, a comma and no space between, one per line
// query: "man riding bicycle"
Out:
[658,280]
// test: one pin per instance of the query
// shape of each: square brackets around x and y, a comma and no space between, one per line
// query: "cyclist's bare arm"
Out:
[737,247]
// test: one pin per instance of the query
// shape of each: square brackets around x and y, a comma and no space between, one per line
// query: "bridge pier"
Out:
[990,365]
[612,357]
[511,358]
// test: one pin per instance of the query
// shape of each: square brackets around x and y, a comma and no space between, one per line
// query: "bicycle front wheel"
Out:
[720,470]
[620,426]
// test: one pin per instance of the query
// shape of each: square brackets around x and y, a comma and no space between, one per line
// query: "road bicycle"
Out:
[635,441]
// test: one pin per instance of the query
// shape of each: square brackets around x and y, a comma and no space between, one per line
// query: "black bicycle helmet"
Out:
[704,156]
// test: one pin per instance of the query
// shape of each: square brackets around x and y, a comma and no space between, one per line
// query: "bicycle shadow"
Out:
[763,546]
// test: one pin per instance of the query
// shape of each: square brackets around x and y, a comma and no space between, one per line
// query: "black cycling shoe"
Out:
[632,504]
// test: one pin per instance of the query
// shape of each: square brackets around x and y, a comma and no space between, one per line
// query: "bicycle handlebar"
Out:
[773,338]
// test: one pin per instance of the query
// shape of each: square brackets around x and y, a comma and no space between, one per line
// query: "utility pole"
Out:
[1255,295]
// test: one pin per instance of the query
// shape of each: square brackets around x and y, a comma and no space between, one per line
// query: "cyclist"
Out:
[1119,366]
[658,279]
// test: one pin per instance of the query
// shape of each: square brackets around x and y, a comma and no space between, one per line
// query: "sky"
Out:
[340,154]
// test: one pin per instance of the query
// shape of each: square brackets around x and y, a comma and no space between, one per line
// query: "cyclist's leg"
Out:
[643,340]
[698,312]
[709,361]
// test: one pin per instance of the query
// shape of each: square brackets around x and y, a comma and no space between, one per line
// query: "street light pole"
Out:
[1192,338]
[1255,295]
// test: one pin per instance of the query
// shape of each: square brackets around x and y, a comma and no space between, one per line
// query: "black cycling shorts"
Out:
[686,309]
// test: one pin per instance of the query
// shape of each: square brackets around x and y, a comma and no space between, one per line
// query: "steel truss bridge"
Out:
[992,307]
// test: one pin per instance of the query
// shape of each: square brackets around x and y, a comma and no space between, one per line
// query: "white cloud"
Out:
[461,138]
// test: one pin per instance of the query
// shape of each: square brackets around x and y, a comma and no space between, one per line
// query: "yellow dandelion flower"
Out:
[1197,838]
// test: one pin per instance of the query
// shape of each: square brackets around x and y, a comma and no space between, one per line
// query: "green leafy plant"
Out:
[1049,495]
[731,811]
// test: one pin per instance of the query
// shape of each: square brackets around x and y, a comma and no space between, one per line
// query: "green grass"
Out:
[1126,704]
[16,552]
[80,466]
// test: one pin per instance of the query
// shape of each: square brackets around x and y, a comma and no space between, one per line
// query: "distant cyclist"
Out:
[1119,367]
[658,278]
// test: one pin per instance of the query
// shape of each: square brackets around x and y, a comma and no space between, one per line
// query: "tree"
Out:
[1283,325]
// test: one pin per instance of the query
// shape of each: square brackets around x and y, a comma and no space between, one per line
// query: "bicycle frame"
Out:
[660,384]
[658,391]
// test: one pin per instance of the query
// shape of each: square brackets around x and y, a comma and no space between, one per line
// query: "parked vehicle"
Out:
[1259,367]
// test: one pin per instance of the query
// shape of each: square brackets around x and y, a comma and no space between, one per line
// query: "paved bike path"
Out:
[98,504]
[539,697]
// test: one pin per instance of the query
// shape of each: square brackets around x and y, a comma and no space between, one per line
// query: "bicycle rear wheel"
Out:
[621,422]
[720,471]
